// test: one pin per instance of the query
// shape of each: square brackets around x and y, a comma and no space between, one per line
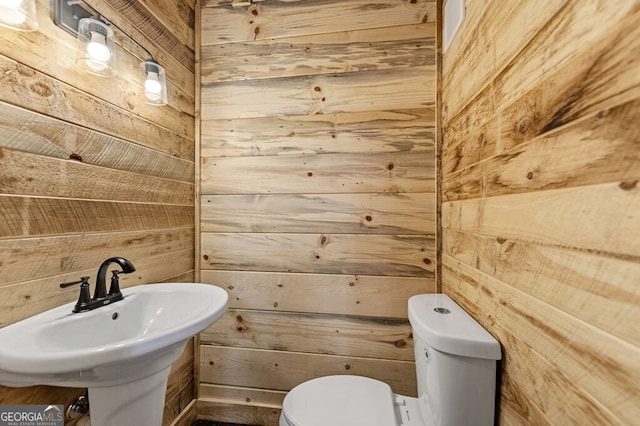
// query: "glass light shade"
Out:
[96,48]
[154,83]
[19,14]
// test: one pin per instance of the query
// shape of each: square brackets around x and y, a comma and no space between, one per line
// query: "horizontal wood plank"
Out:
[320,174]
[283,370]
[35,175]
[356,132]
[365,295]
[370,337]
[343,213]
[336,52]
[24,216]
[562,218]
[222,23]
[397,255]
[240,395]
[39,134]
[321,94]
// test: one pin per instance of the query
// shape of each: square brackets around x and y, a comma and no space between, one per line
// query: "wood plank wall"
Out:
[88,171]
[541,202]
[318,194]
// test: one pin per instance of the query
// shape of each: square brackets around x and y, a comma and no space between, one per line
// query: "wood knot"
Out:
[309,174]
[75,157]
[254,12]
[530,175]
[347,367]
[368,218]
[351,284]
[400,343]
[427,261]
[523,126]
[501,240]
[205,257]
[239,318]
[24,70]
[317,88]
[629,185]
[390,166]
[323,240]
[41,89]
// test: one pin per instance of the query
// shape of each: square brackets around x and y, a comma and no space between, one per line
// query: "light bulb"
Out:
[97,48]
[12,15]
[152,87]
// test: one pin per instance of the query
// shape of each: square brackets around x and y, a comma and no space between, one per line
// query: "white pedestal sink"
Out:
[121,352]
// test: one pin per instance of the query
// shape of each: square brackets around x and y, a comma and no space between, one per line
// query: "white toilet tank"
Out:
[455,363]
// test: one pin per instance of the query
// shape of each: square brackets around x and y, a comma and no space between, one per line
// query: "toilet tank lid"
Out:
[446,327]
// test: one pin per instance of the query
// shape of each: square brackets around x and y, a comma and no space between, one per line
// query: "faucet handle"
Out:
[83,280]
[85,297]
[114,290]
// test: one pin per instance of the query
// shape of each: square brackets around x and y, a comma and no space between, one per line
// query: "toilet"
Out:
[456,374]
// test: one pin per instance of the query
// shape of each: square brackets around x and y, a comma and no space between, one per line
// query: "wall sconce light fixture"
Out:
[155,83]
[19,14]
[96,47]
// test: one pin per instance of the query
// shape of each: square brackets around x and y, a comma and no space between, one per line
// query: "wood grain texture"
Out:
[328,173]
[558,218]
[49,216]
[283,370]
[318,194]
[597,78]
[344,213]
[42,135]
[366,295]
[540,177]
[346,51]
[398,255]
[380,338]
[359,132]
[36,175]
[222,23]
[320,94]
[593,360]
[598,290]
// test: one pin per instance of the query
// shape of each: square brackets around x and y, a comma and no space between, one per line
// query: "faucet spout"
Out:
[101,286]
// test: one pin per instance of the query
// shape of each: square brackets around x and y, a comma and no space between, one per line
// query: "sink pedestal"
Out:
[139,403]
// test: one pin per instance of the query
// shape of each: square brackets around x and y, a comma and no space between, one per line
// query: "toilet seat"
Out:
[340,401]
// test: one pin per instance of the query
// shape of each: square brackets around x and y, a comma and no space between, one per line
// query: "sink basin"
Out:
[134,340]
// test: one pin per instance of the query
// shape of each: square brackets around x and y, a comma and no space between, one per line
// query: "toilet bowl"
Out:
[456,376]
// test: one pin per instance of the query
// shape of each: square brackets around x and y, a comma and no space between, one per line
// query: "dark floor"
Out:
[211,423]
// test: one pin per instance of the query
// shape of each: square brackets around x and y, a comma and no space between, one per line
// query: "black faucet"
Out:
[100,295]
